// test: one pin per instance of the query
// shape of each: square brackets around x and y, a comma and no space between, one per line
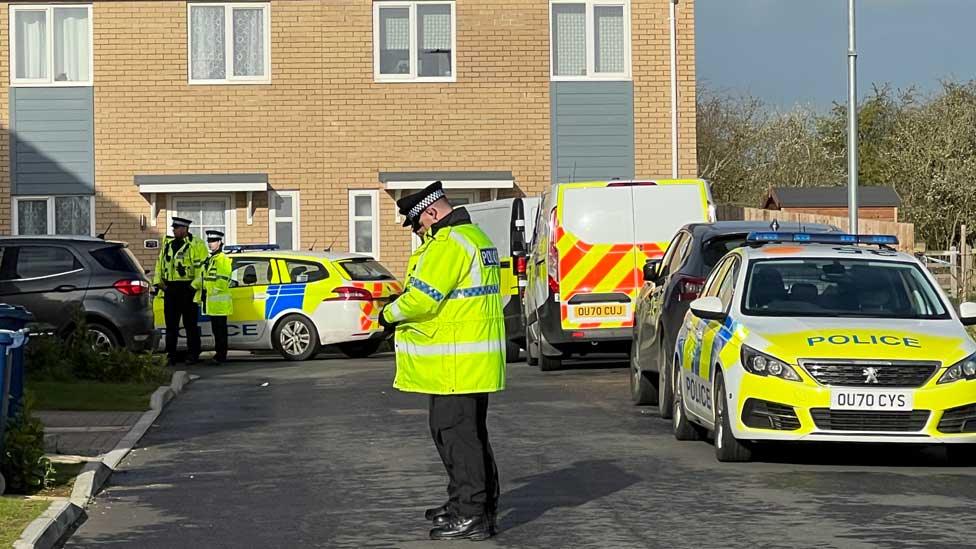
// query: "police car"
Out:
[824,337]
[295,302]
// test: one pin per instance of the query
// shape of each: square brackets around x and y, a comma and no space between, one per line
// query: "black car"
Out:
[670,285]
[62,279]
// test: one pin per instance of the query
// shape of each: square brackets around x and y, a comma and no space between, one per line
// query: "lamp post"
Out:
[851,119]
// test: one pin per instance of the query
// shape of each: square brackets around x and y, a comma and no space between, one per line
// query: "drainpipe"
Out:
[674,91]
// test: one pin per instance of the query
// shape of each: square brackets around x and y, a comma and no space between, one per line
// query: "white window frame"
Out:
[230,212]
[374,218]
[229,78]
[51,227]
[294,219]
[412,76]
[49,81]
[591,73]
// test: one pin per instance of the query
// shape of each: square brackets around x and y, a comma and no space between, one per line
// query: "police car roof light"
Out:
[821,238]
[237,248]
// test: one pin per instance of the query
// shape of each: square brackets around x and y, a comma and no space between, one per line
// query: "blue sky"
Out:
[795,51]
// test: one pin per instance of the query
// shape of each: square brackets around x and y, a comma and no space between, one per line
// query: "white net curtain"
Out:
[207,43]
[569,32]
[71,38]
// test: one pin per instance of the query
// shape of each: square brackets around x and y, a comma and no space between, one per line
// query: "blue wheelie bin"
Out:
[14,318]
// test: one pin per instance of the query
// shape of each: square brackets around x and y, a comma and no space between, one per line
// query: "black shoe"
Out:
[492,522]
[440,521]
[443,510]
[473,528]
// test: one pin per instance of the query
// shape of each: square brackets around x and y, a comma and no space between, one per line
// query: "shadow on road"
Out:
[581,483]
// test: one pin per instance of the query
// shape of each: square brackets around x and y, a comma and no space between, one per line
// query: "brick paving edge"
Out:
[48,529]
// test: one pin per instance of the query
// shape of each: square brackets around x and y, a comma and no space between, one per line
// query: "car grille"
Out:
[853,373]
[959,420]
[857,420]
[762,414]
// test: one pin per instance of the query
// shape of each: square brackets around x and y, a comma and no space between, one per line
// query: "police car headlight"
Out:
[964,369]
[764,365]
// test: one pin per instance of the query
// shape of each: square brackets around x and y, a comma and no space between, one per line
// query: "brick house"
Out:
[878,203]
[301,121]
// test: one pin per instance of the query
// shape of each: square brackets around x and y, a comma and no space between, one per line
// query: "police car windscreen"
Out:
[365,269]
[840,288]
[660,210]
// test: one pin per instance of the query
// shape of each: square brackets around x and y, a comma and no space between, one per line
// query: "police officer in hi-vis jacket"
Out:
[180,258]
[213,292]
[450,344]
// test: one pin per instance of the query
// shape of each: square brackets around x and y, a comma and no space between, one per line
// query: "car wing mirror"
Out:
[650,270]
[709,308]
[967,313]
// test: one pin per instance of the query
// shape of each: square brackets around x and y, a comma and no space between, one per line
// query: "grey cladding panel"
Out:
[52,141]
[592,130]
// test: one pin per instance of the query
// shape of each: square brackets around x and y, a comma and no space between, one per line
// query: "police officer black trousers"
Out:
[219,326]
[458,427]
[178,305]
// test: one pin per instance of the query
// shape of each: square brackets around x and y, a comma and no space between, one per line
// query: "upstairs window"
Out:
[590,40]
[414,41]
[229,43]
[51,45]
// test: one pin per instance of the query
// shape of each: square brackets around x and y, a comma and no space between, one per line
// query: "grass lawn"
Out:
[91,396]
[16,512]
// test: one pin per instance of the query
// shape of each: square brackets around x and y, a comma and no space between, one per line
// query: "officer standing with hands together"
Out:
[450,344]
[213,292]
[180,258]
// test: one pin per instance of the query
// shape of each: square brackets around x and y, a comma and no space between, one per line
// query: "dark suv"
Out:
[59,278]
[670,285]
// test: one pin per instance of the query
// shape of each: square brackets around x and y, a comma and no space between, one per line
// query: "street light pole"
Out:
[852,163]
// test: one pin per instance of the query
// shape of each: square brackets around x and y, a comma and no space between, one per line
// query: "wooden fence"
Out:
[904,231]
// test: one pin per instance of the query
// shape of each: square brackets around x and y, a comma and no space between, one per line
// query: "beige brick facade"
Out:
[323,126]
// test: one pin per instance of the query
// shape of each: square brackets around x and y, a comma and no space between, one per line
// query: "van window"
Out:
[600,214]
[663,209]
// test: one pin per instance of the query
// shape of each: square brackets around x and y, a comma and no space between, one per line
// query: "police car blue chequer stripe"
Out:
[282,297]
[431,291]
[477,291]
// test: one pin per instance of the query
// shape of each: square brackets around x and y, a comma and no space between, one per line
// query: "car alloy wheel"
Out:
[295,337]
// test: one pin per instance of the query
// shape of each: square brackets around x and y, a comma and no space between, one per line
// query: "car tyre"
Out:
[512,351]
[727,447]
[360,349]
[102,337]
[642,390]
[665,390]
[683,428]
[296,338]
[530,358]
[963,455]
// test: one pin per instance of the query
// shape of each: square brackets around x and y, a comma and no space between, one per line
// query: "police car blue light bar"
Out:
[237,248]
[822,238]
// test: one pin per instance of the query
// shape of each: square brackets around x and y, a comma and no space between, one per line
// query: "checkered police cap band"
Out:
[425,203]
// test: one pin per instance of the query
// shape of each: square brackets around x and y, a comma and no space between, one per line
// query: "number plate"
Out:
[870,399]
[600,312]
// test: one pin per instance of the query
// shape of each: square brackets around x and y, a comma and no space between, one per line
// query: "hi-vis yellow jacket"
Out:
[213,286]
[451,333]
[179,262]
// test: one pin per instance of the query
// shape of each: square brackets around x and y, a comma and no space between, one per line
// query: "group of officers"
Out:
[449,331]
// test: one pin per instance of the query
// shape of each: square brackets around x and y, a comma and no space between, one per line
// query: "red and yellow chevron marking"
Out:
[586,268]
[369,315]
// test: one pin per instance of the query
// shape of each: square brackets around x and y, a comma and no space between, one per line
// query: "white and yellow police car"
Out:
[297,301]
[824,337]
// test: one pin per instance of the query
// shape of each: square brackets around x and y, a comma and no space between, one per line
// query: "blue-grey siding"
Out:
[52,141]
[592,130]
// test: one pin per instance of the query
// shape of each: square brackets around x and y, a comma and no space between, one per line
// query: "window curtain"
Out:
[31,31]
[609,38]
[248,42]
[434,36]
[570,39]
[207,39]
[394,40]
[72,215]
[71,45]
[32,217]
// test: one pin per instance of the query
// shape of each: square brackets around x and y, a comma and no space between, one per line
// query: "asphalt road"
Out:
[328,455]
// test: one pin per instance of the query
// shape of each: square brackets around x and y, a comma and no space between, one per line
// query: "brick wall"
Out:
[6,220]
[323,126]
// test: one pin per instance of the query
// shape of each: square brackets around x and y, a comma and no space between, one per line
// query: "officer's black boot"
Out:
[473,528]
[433,513]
